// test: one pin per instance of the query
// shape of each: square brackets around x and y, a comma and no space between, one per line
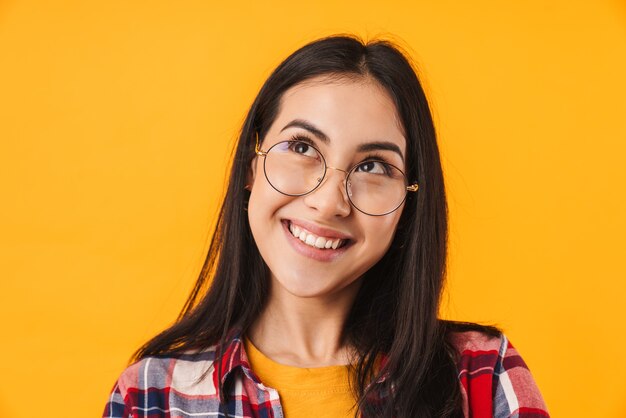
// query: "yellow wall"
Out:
[116,119]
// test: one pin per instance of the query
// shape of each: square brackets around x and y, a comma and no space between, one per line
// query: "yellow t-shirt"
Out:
[318,392]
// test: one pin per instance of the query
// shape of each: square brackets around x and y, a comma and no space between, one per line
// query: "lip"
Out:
[318,230]
[317,254]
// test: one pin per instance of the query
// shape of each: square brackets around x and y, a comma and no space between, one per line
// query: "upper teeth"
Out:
[313,240]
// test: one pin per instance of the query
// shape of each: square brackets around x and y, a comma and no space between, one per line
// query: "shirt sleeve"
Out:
[124,396]
[116,407]
[515,393]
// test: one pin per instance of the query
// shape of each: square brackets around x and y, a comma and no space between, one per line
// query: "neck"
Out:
[304,331]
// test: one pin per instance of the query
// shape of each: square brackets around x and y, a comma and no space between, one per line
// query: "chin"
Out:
[307,286]
[303,287]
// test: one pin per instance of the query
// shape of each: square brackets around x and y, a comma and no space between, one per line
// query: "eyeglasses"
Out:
[296,168]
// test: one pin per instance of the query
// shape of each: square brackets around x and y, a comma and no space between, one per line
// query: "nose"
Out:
[330,198]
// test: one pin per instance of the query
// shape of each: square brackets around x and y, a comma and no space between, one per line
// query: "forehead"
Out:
[347,109]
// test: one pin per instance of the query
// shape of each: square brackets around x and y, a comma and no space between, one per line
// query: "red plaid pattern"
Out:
[494,379]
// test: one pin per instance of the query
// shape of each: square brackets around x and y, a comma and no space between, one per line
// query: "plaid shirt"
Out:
[493,377]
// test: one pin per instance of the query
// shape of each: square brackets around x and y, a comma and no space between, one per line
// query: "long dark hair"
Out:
[396,309]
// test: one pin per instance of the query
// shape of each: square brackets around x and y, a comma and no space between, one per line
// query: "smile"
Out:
[313,240]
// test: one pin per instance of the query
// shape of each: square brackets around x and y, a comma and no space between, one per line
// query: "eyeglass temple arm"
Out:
[257,149]
[413,187]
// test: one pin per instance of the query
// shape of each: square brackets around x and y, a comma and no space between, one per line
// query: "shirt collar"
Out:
[234,357]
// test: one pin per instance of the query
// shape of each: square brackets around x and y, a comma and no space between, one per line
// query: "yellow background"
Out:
[116,122]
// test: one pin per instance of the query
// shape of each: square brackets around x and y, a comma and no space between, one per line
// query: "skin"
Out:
[310,298]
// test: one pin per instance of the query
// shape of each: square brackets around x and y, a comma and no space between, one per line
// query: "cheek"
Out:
[258,207]
[381,232]
[258,214]
[263,204]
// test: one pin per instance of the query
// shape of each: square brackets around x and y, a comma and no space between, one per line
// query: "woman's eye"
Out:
[373,167]
[302,148]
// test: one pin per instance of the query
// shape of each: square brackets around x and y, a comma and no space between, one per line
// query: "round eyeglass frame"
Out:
[409,188]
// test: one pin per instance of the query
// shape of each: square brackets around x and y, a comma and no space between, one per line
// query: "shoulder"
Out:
[477,348]
[169,370]
[148,384]
[495,379]
[475,341]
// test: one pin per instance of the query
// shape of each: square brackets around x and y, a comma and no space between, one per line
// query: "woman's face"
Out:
[349,121]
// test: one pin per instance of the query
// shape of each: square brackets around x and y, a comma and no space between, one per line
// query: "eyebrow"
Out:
[370,146]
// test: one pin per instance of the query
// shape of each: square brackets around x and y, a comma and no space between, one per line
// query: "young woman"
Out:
[320,292]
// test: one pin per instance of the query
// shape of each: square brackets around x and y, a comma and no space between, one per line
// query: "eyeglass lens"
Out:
[296,168]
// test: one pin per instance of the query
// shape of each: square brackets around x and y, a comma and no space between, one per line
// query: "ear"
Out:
[251,174]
